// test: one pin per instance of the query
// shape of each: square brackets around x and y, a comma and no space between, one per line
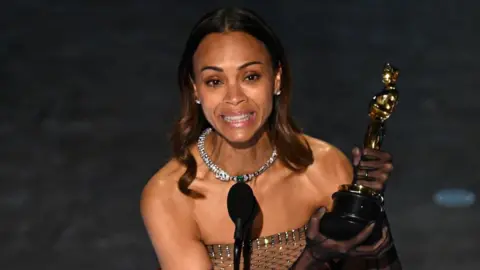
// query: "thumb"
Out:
[314,223]
[356,156]
[360,237]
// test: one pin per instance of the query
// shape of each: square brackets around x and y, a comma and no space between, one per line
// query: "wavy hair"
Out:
[294,152]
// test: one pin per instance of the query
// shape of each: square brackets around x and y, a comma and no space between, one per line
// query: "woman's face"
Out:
[235,83]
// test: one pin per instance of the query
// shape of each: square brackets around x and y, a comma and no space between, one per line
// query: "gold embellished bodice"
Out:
[278,251]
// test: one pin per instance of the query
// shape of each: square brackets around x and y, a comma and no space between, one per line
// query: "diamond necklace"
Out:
[223,175]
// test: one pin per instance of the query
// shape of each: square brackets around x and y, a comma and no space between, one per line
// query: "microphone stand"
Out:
[242,208]
[237,247]
[242,241]
[247,248]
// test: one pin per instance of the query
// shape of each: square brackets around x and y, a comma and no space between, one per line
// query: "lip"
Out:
[240,123]
[236,113]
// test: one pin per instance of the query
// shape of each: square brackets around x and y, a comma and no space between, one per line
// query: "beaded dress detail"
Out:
[278,251]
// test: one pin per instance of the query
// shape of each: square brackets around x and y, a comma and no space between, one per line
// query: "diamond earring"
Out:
[278,92]
[197,101]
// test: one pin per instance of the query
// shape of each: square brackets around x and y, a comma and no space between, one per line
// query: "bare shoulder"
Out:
[164,176]
[169,221]
[330,167]
[161,190]
[326,154]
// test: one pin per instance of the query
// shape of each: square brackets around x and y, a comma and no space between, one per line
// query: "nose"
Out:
[235,95]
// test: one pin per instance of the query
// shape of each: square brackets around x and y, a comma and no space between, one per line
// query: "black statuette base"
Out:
[351,212]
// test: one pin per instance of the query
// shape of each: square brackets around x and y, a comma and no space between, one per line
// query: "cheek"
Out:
[264,101]
[208,111]
[209,107]
[269,105]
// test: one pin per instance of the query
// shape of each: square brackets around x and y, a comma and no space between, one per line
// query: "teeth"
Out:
[236,118]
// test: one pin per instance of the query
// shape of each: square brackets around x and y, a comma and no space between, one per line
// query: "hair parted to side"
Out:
[292,150]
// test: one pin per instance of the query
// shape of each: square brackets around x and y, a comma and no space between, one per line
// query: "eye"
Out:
[213,82]
[252,77]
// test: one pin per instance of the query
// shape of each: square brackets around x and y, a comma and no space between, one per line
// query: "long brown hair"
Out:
[292,150]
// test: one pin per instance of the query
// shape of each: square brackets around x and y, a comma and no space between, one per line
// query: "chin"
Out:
[238,136]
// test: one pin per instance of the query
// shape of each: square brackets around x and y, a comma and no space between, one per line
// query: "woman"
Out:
[236,126]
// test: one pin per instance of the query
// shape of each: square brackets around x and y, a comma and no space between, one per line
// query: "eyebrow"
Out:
[240,67]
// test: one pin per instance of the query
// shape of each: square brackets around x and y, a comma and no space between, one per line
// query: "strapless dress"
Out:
[278,251]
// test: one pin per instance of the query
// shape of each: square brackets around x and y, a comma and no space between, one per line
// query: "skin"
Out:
[234,74]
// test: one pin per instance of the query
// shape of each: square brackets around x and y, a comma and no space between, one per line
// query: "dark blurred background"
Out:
[88,95]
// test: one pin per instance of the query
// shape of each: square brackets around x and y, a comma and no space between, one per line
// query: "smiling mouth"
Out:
[238,117]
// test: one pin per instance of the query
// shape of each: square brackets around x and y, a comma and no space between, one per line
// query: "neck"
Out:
[236,159]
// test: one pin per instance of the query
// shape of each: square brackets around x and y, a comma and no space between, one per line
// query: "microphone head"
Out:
[241,203]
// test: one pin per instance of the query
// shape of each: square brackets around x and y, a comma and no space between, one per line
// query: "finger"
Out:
[379,154]
[376,164]
[360,237]
[357,156]
[314,223]
[372,176]
[365,174]
[373,249]
[377,249]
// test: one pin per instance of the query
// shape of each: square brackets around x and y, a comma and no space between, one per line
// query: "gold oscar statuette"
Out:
[355,205]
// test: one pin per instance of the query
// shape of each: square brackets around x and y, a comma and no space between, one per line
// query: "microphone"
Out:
[242,209]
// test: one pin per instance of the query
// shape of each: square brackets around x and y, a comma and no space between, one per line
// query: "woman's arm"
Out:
[381,255]
[334,166]
[324,253]
[386,258]
[389,261]
[169,221]
[307,262]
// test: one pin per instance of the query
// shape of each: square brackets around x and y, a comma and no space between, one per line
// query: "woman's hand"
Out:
[321,251]
[373,167]
[324,249]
